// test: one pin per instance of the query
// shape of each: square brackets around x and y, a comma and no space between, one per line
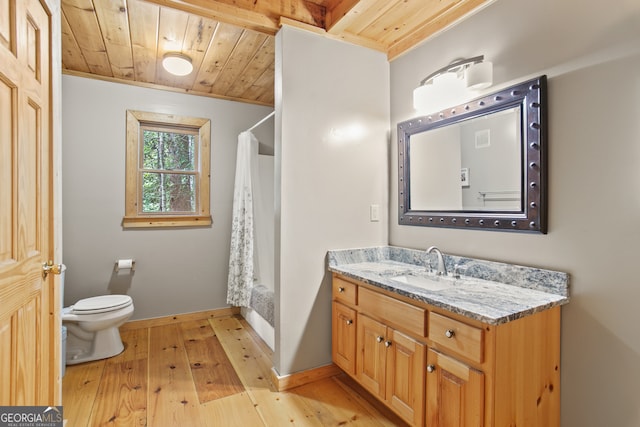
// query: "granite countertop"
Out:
[487,291]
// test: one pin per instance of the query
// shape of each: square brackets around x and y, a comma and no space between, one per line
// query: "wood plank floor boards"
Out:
[79,390]
[233,411]
[122,396]
[212,373]
[173,399]
[249,361]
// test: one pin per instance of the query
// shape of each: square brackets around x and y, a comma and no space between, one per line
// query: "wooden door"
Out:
[29,308]
[455,393]
[405,377]
[343,337]
[371,355]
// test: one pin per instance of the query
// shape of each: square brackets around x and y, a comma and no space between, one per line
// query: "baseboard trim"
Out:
[297,379]
[185,317]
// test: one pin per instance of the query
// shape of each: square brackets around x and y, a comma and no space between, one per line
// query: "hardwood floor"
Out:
[212,372]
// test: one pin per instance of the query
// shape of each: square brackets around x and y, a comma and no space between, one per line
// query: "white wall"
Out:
[264,220]
[495,167]
[332,124]
[435,180]
[177,270]
[591,53]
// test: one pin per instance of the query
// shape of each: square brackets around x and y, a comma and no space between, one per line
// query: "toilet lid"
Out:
[101,304]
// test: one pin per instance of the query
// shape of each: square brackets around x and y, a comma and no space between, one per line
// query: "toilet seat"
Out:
[101,304]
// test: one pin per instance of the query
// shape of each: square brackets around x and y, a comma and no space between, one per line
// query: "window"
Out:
[167,171]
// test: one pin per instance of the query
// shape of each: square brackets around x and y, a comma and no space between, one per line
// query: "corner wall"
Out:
[332,123]
[591,54]
[178,270]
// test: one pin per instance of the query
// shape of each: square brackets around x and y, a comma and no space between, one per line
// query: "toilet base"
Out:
[99,345]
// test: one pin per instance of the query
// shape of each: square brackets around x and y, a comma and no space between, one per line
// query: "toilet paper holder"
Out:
[125,264]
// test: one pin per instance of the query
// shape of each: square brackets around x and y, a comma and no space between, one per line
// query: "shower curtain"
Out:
[241,258]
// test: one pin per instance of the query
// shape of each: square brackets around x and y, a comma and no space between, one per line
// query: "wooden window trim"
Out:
[136,219]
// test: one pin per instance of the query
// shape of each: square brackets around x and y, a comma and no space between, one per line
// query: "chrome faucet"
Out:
[442,270]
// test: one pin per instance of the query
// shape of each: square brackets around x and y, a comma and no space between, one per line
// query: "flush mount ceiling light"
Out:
[450,85]
[177,64]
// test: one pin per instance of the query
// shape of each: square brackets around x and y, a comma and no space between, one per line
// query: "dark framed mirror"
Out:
[480,165]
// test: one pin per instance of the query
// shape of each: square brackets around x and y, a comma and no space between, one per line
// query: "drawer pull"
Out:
[341,289]
[380,339]
[387,344]
[464,339]
[349,322]
[431,368]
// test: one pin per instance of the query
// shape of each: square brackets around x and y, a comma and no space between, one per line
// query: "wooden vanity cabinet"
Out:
[455,393]
[435,368]
[343,317]
[390,365]
[343,337]
[384,359]
[371,368]
[404,383]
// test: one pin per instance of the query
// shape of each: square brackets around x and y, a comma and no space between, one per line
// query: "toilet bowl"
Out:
[92,327]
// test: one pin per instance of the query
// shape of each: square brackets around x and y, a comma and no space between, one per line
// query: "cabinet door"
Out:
[343,337]
[455,393]
[405,377]
[371,355]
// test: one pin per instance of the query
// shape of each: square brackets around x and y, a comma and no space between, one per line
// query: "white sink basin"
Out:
[428,283]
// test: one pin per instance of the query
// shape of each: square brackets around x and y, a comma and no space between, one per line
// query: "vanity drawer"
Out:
[466,340]
[344,291]
[399,314]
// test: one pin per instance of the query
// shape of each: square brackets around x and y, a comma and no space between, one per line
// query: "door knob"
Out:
[379,339]
[50,267]
[431,368]
[450,333]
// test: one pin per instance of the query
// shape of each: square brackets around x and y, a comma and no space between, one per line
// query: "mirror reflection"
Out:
[472,165]
[480,165]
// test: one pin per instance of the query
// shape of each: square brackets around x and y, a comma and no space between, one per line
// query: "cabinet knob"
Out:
[387,344]
[431,368]
[380,339]
[341,289]
[450,333]
[349,322]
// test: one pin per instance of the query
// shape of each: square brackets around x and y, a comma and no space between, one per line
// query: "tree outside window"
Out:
[167,181]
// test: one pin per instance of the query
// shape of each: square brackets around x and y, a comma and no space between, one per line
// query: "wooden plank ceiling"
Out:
[231,42]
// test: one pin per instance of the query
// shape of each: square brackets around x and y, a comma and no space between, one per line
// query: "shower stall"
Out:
[251,259]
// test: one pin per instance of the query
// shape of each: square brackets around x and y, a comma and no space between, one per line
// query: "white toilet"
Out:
[92,327]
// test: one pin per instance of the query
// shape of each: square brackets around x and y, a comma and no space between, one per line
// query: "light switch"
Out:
[374,213]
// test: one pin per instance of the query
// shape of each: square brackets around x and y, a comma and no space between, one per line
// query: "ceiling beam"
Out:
[429,29]
[345,37]
[342,13]
[263,17]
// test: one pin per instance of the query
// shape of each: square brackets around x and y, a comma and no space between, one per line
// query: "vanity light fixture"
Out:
[450,85]
[177,64]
